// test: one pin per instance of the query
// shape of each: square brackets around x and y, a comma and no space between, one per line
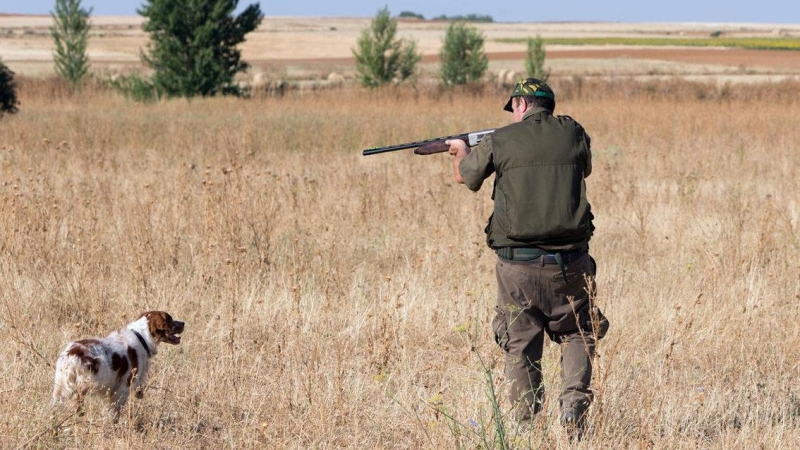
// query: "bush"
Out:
[8,91]
[136,88]
[70,31]
[380,57]
[192,47]
[462,57]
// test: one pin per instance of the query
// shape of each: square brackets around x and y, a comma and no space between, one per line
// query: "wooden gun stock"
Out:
[433,147]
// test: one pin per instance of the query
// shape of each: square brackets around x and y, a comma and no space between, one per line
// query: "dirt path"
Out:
[722,56]
[729,57]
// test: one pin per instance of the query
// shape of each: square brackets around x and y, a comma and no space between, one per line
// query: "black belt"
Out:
[534,254]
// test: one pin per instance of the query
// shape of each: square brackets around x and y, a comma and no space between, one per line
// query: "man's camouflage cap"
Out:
[530,86]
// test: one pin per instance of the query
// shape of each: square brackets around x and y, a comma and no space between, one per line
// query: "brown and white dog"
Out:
[113,365]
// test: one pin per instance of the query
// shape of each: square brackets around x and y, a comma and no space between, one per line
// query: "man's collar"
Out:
[534,110]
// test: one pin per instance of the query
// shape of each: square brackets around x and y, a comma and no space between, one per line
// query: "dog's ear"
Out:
[157,316]
[159,321]
[162,327]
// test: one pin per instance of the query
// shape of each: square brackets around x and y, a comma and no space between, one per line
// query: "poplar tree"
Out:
[192,48]
[70,33]
[534,59]
[8,91]
[380,57]
[462,58]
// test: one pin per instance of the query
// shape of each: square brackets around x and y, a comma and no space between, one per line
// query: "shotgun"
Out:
[431,146]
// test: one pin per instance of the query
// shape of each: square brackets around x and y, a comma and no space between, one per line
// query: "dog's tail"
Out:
[72,373]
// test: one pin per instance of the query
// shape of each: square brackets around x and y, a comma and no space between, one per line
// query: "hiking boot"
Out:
[574,423]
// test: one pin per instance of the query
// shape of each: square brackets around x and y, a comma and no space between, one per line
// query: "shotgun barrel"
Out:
[431,146]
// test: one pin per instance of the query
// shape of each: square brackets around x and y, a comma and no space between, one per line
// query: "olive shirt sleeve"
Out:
[587,157]
[478,165]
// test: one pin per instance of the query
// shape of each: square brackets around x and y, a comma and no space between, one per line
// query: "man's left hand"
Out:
[457,147]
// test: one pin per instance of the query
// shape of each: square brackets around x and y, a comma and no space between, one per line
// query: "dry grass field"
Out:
[340,301]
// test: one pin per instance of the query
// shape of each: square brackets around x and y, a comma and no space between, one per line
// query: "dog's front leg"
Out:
[137,383]
[117,402]
[141,382]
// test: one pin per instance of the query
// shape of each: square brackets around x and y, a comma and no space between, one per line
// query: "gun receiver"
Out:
[431,146]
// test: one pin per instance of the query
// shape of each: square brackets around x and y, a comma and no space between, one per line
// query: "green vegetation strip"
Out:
[748,43]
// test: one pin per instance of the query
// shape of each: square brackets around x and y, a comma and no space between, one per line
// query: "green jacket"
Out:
[539,190]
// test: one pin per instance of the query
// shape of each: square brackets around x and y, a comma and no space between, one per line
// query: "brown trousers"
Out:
[533,299]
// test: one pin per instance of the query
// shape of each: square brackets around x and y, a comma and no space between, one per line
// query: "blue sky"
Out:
[764,11]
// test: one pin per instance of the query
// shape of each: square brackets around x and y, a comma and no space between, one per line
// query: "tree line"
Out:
[192,51]
[458,18]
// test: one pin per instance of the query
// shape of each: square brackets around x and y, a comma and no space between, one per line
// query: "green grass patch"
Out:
[748,43]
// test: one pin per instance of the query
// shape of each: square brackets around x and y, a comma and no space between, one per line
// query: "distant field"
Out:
[310,48]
